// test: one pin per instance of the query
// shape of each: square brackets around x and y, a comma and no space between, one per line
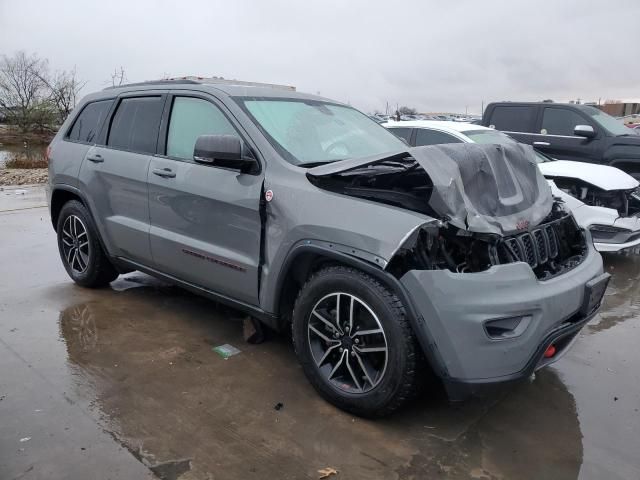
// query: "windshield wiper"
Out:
[316,164]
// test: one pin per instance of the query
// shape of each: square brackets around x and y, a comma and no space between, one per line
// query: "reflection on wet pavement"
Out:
[623,295]
[136,361]
[145,351]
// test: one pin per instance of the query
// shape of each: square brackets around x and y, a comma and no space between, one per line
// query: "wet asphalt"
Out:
[122,383]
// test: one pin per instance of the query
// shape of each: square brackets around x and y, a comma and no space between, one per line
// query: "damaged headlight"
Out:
[550,248]
[447,248]
[606,232]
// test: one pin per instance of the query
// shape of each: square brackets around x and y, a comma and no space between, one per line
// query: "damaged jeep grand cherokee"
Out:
[388,263]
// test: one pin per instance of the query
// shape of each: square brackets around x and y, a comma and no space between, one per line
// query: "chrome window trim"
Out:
[543,134]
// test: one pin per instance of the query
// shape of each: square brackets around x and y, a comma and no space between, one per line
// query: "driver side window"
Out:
[560,121]
[190,118]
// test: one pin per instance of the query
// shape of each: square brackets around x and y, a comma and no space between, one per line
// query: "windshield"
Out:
[493,136]
[606,121]
[313,132]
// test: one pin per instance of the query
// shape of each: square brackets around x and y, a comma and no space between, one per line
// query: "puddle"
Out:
[622,301]
[136,361]
[8,152]
[146,356]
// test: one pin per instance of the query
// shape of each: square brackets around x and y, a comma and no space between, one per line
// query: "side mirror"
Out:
[585,131]
[224,151]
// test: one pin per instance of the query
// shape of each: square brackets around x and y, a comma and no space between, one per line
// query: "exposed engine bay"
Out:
[625,202]
[551,246]
[400,182]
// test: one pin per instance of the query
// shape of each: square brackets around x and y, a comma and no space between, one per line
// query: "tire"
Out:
[339,375]
[80,249]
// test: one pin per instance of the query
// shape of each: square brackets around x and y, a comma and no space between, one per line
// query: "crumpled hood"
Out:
[481,188]
[601,176]
[486,188]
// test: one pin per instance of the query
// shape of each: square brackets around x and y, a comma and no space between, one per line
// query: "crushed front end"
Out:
[612,216]
[551,248]
[491,306]
[500,276]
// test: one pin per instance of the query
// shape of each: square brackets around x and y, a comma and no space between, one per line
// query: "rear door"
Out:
[205,220]
[555,135]
[115,175]
[83,134]
[519,121]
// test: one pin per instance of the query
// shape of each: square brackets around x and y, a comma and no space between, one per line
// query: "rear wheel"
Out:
[354,342]
[79,247]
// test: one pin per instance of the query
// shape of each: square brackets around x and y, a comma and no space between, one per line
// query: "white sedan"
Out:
[603,199]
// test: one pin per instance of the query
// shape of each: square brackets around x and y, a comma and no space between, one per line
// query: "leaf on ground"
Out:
[327,472]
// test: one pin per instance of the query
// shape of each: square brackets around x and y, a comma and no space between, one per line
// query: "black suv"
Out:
[568,132]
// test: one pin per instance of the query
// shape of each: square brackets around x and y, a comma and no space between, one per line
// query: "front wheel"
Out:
[354,342]
[79,247]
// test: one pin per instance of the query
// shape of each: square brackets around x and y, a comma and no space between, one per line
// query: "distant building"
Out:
[621,108]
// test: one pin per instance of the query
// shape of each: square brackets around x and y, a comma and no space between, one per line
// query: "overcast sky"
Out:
[432,55]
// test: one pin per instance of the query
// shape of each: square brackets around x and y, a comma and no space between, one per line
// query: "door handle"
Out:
[164,172]
[96,158]
[541,144]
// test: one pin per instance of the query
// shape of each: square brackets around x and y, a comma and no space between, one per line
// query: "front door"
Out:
[115,176]
[556,138]
[205,220]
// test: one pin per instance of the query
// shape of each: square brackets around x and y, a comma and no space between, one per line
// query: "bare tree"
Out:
[118,77]
[22,88]
[43,116]
[64,88]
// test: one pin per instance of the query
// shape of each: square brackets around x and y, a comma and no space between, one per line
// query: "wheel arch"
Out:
[307,257]
[60,195]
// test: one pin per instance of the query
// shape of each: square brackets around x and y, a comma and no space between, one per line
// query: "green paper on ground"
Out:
[226,350]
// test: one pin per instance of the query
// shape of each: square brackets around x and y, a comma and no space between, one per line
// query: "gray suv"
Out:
[388,263]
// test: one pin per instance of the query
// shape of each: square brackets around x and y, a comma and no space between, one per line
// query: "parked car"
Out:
[309,216]
[568,132]
[630,119]
[603,199]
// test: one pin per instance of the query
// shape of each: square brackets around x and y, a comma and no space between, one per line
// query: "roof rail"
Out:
[225,81]
[167,81]
[204,80]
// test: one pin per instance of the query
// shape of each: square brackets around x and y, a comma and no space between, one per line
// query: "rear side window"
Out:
[433,137]
[560,121]
[513,118]
[135,124]
[190,118]
[402,132]
[88,124]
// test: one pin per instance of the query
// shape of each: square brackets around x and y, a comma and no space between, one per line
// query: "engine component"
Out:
[551,248]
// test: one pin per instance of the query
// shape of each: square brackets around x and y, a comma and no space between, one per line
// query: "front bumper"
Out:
[453,309]
[621,240]
[617,247]
[626,237]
